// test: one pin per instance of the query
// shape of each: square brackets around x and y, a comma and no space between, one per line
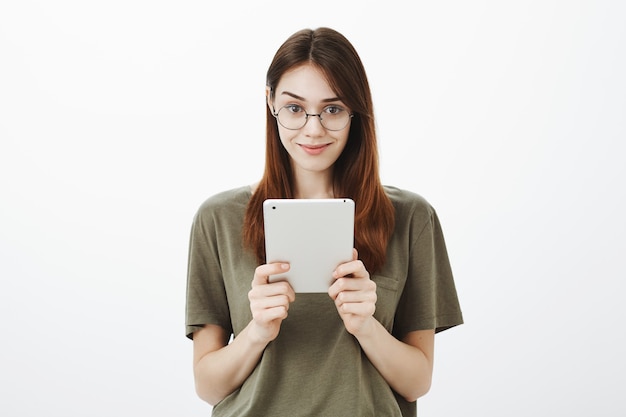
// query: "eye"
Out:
[333,110]
[294,108]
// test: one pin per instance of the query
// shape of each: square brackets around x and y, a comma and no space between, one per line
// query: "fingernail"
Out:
[285,266]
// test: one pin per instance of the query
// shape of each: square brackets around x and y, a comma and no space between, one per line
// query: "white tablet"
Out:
[313,235]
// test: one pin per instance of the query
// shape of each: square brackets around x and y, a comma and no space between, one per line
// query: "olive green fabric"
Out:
[315,367]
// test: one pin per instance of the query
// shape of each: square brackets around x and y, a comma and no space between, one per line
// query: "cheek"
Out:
[344,141]
[286,137]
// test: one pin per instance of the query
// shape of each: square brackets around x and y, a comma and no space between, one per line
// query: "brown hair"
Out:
[355,171]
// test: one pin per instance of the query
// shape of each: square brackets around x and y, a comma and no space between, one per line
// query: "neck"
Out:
[314,185]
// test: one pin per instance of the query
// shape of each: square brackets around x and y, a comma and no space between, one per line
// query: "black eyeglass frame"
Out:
[306,119]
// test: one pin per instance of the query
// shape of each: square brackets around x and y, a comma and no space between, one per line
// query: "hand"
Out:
[269,302]
[354,295]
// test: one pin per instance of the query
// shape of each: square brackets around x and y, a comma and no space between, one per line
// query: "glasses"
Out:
[294,117]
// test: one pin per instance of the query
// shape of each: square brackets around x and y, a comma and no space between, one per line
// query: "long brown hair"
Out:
[356,170]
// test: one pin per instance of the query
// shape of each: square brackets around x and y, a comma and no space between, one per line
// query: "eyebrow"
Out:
[297,97]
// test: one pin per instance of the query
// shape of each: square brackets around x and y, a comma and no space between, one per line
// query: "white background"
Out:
[118,118]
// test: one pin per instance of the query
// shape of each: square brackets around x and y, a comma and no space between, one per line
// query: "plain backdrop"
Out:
[118,118]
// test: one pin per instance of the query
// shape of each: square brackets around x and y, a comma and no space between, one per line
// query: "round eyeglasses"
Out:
[294,117]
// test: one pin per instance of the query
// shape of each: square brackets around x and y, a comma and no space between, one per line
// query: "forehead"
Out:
[306,81]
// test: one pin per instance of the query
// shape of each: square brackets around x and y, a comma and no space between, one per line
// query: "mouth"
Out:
[314,149]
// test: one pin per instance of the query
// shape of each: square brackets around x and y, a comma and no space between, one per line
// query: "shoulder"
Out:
[409,204]
[226,203]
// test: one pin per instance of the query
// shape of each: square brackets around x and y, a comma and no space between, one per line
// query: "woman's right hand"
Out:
[221,367]
[269,302]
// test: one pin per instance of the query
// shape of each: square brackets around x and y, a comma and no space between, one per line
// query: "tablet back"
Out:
[313,235]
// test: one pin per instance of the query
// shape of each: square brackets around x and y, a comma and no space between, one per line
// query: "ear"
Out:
[268,98]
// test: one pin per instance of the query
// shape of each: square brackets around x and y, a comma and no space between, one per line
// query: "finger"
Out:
[347,284]
[342,285]
[262,272]
[264,303]
[357,309]
[360,296]
[355,268]
[270,314]
[274,289]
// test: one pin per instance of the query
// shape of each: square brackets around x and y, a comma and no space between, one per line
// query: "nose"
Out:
[314,128]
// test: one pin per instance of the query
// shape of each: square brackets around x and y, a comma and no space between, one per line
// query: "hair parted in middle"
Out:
[356,171]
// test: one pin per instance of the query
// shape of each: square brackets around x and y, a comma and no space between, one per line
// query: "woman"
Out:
[365,348]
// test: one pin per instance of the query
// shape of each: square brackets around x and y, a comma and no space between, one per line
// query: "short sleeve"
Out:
[429,299]
[206,296]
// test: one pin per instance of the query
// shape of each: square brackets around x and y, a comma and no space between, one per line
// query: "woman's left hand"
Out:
[354,294]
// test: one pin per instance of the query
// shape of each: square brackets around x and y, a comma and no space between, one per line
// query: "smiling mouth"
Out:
[314,149]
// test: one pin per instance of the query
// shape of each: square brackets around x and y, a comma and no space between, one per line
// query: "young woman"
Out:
[364,349]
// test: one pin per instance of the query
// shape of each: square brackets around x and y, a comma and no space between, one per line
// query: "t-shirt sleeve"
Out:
[429,299]
[206,295]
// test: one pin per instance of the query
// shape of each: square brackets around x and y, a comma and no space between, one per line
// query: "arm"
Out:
[405,364]
[219,367]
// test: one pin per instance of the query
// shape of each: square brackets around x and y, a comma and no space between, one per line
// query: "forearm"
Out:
[219,373]
[406,368]
[221,367]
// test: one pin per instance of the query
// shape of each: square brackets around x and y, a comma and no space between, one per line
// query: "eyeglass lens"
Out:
[331,118]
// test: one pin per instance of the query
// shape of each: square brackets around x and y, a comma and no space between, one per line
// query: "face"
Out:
[312,148]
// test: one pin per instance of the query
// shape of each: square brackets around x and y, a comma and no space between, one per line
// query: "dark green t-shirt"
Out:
[315,367]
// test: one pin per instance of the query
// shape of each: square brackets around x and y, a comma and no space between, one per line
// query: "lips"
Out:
[314,149]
